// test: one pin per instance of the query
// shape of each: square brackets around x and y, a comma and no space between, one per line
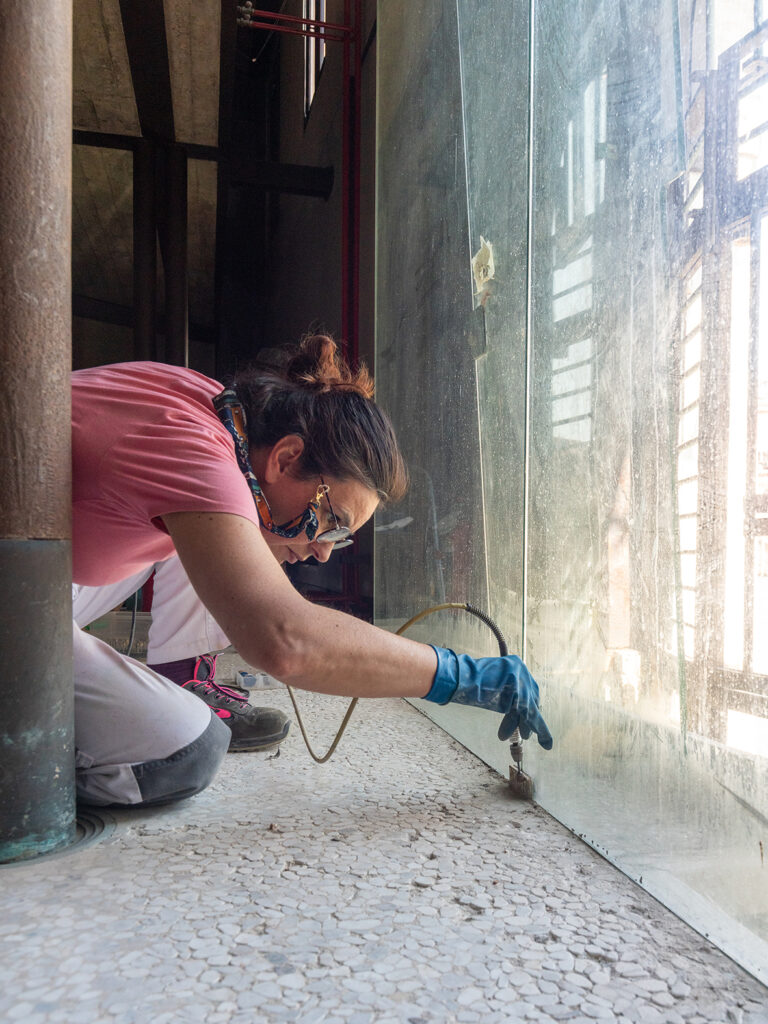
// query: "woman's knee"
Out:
[180,775]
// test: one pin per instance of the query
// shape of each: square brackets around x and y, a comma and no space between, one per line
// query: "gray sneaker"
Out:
[252,728]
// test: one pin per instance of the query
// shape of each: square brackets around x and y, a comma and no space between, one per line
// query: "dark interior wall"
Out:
[279,255]
[305,248]
[97,344]
[281,267]
[246,218]
[102,198]
[303,285]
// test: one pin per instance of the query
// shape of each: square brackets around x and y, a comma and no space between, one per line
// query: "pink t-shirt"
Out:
[146,441]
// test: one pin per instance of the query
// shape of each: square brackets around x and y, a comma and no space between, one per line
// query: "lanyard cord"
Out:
[232,415]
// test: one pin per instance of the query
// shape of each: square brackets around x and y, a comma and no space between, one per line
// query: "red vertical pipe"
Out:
[350,227]
[357,43]
[346,168]
[351,157]
[348,572]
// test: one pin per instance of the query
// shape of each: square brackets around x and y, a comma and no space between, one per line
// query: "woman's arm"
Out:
[275,629]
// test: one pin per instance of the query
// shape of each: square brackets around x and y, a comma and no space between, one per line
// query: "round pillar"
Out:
[37,792]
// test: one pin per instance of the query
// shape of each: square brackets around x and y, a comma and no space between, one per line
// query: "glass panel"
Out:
[760,642]
[688,462]
[687,496]
[689,426]
[687,533]
[691,388]
[102,256]
[735,579]
[589,480]
[451,365]
[688,569]
[314,51]
[747,732]
[637,515]
[753,130]
[761,459]
[693,314]
[692,351]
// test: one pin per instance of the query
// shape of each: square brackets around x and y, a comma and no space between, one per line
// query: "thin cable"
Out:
[329,753]
[133,624]
[423,615]
[406,625]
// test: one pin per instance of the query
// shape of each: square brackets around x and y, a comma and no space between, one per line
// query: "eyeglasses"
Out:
[340,536]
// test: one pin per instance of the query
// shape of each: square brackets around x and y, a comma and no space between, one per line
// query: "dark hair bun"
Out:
[309,390]
[319,366]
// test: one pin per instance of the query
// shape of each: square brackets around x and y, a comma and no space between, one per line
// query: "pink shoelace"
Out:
[210,684]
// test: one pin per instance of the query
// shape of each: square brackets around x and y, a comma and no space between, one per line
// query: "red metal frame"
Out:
[319,34]
[349,34]
[345,29]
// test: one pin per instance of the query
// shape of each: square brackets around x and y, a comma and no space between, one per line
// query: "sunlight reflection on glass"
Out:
[733,615]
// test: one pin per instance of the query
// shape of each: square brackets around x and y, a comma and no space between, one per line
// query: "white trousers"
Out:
[181,627]
[141,739]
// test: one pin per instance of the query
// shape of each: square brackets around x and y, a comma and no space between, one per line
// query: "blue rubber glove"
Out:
[499,684]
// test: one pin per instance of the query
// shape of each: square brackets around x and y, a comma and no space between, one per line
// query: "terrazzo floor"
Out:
[398,884]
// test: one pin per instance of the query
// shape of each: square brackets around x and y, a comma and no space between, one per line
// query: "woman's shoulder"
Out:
[141,392]
[144,375]
[147,435]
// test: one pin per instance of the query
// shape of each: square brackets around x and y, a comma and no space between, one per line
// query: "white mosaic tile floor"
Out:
[399,884]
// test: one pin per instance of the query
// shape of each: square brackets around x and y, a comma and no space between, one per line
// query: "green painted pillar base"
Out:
[37,755]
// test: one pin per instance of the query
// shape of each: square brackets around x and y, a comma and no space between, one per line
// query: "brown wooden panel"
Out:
[102,90]
[202,239]
[102,229]
[193,52]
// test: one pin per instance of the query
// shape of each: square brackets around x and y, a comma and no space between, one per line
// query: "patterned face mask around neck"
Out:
[232,415]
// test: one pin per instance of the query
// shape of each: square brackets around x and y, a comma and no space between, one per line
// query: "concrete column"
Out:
[37,803]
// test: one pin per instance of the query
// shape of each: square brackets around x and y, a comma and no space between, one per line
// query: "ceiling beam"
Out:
[123,316]
[294,179]
[103,140]
[244,172]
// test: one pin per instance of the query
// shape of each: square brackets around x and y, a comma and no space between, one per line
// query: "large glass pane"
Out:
[451,313]
[643,590]
[597,481]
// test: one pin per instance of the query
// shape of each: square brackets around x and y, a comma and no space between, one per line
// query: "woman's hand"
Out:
[498,684]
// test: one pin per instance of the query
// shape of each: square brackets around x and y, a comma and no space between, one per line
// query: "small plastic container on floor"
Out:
[256,681]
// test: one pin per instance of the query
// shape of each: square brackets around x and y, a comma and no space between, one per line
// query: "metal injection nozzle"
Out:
[520,783]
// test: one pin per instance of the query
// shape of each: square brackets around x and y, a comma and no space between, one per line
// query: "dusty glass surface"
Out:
[613,516]
[450,190]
